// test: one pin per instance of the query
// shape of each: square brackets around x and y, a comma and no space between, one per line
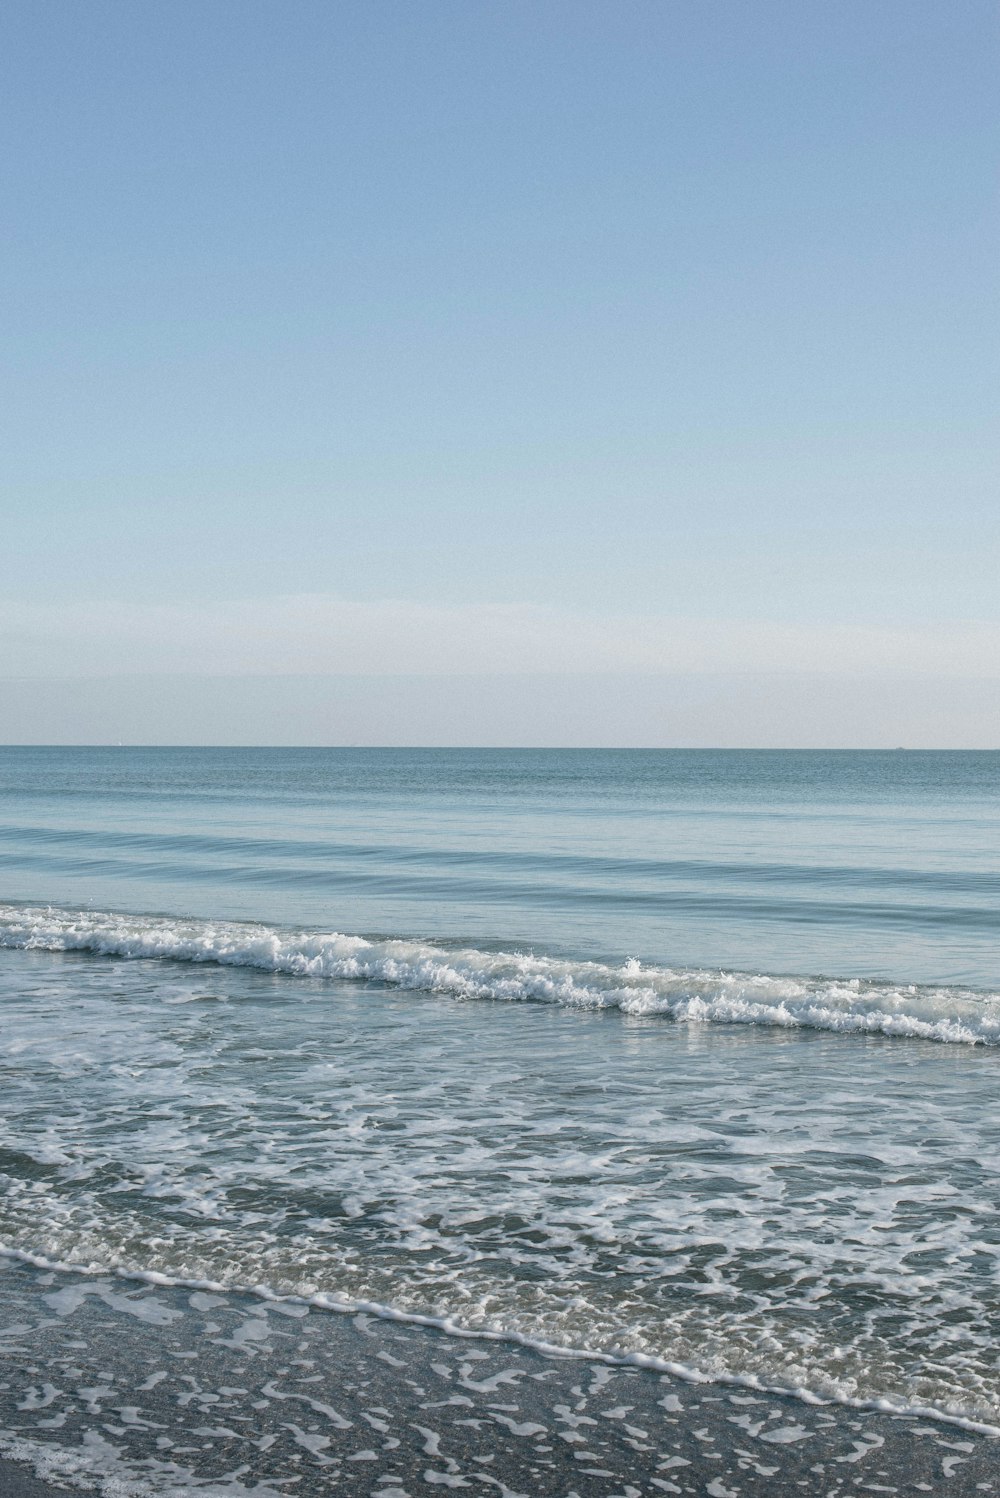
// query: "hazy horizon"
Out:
[780,711]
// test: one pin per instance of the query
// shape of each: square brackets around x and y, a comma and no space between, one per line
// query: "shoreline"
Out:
[685,1375]
[133,1389]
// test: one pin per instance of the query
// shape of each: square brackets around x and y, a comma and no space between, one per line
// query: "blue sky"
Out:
[646,324]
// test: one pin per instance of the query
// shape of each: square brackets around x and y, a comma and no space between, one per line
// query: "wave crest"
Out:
[687,996]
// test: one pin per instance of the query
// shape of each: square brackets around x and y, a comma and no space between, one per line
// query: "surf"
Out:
[687,996]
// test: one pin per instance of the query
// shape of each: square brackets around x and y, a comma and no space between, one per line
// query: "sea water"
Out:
[688,1058]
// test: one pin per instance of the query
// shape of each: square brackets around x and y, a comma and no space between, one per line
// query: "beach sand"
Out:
[16,1481]
[112,1386]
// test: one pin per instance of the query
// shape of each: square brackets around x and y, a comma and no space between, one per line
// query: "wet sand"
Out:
[16,1481]
[111,1386]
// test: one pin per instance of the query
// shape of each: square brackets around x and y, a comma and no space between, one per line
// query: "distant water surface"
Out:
[851,864]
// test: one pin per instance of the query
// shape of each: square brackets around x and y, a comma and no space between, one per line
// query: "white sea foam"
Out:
[342,1305]
[688,996]
[811,1216]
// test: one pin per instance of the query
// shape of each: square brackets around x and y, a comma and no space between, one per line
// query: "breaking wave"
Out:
[953,1015]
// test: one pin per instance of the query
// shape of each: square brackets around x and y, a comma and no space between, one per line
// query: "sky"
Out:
[549,370]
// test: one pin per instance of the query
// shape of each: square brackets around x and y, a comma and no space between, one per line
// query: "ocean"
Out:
[685,1061]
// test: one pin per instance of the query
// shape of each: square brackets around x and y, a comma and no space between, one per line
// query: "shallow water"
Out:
[686,1056]
[160,1390]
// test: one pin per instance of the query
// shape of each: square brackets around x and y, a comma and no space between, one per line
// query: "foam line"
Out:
[687,996]
[344,1305]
